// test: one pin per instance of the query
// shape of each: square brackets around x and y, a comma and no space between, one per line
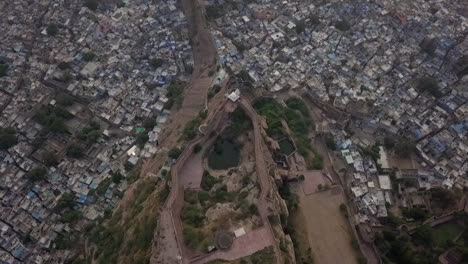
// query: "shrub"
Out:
[208,181]
[191,197]
[192,216]
[193,237]
[253,210]
[330,142]
[317,162]
[71,216]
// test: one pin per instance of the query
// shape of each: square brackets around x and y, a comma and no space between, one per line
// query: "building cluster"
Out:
[86,95]
[401,69]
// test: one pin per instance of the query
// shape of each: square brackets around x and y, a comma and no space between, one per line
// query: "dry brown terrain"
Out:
[328,232]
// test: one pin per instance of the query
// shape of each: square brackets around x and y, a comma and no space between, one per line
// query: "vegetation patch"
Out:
[446,233]
[174,94]
[296,116]
[90,133]
[53,118]
[119,238]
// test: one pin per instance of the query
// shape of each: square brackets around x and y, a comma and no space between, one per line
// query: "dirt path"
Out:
[262,173]
[328,232]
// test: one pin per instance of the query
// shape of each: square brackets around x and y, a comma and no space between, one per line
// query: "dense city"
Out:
[87,87]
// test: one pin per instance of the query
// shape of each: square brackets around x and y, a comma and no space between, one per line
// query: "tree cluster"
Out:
[3,69]
[430,85]
[90,133]
[36,174]
[7,137]
[53,118]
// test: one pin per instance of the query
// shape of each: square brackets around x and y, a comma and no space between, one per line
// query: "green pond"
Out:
[225,154]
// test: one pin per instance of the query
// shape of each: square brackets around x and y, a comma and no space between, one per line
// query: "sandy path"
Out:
[328,233]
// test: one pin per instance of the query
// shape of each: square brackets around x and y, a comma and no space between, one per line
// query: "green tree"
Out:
[52,29]
[429,45]
[314,19]
[36,174]
[117,177]
[91,4]
[424,235]
[389,142]
[75,151]
[214,11]
[430,85]
[7,137]
[442,197]
[330,142]
[89,56]
[342,25]
[63,65]
[300,27]
[53,118]
[66,201]
[175,152]
[404,147]
[141,139]
[90,133]
[64,99]
[149,123]
[3,69]
[71,216]
[197,148]
[50,159]
[156,62]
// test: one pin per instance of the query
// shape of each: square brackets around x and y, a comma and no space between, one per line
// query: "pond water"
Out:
[225,154]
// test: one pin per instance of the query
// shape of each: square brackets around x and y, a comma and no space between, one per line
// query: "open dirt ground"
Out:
[328,233]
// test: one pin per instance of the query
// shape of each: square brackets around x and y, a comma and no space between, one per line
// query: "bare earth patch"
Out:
[328,232]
